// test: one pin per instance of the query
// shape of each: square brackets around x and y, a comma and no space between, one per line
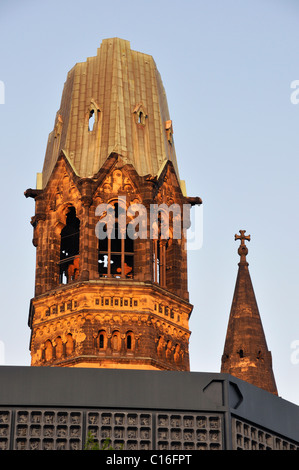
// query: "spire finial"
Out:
[242,250]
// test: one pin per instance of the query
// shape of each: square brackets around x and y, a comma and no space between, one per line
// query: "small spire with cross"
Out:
[242,250]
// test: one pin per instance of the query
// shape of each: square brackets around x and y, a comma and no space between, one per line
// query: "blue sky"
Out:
[227,67]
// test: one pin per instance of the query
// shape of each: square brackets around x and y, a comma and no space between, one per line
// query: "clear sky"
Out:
[227,67]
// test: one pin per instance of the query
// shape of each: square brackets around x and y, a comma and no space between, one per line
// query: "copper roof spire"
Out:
[246,354]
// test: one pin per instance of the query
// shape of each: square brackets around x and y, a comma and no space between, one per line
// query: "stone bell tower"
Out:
[113,301]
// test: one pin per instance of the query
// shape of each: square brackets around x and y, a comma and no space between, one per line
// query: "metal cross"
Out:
[242,250]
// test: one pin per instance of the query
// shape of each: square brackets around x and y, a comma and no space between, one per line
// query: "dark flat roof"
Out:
[137,389]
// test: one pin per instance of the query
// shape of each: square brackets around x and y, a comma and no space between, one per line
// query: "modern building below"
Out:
[53,408]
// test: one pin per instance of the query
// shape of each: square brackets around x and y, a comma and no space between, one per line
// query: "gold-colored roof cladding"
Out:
[121,91]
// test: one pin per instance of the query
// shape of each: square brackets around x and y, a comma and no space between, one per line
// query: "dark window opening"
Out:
[101,340]
[241,353]
[140,117]
[259,355]
[91,121]
[129,342]
[69,248]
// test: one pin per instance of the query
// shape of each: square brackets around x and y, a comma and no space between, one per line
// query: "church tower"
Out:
[110,287]
[246,354]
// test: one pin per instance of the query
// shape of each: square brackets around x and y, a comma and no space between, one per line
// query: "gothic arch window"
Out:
[101,340]
[130,341]
[115,341]
[140,115]
[93,115]
[69,248]
[141,118]
[116,250]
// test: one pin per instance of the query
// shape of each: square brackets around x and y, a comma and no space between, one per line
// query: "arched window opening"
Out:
[141,117]
[129,341]
[101,340]
[69,346]
[116,250]
[48,351]
[115,341]
[69,248]
[59,347]
[91,121]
